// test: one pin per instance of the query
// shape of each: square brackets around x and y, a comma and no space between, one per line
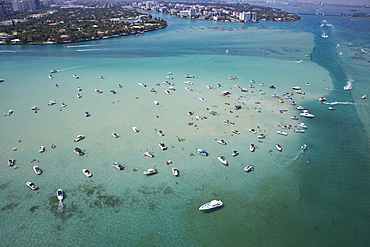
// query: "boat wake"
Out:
[299,154]
[60,207]
[340,103]
[364,51]
[59,70]
[349,85]
[74,46]
[90,49]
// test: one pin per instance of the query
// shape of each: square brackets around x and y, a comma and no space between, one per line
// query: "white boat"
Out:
[249,168]
[50,76]
[281,133]
[79,89]
[222,159]
[202,152]
[60,194]
[142,84]
[78,151]
[331,107]
[79,138]
[37,170]
[299,130]
[149,154]
[189,76]
[235,153]
[202,99]
[162,145]
[222,142]
[322,99]
[172,88]
[300,107]
[41,149]
[294,117]
[79,95]
[156,102]
[53,71]
[135,129]
[302,125]
[296,88]
[253,131]
[278,147]
[52,102]
[236,132]
[32,186]
[363,96]
[160,132]
[167,92]
[307,115]
[115,135]
[252,147]
[87,173]
[118,166]
[211,205]
[304,146]
[87,114]
[261,136]
[150,171]
[169,73]
[175,172]
[11,162]
[75,76]
[33,108]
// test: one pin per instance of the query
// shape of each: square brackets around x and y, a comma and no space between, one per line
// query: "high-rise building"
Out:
[248,17]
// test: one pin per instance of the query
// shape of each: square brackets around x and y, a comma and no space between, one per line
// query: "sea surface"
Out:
[319,197]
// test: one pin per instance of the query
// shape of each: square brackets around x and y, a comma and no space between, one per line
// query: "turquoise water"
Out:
[315,198]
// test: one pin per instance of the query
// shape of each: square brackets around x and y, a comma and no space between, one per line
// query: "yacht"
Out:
[60,194]
[87,173]
[117,166]
[150,171]
[32,186]
[160,132]
[302,125]
[37,170]
[281,133]
[236,132]
[135,129]
[115,135]
[211,205]
[149,154]
[296,88]
[162,145]
[235,153]
[278,147]
[222,159]
[79,138]
[249,168]
[222,142]
[41,149]
[78,151]
[252,147]
[11,162]
[307,115]
[202,152]
[175,172]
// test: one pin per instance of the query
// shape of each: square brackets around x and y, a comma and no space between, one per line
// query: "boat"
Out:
[278,147]
[167,92]
[236,132]
[60,194]
[63,104]
[299,130]
[294,117]
[300,107]
[75,76]
[189,76]
[249,168]
[304,146]
[115,135]
[50,76]
[253,131]
[321,99]
[307,115]
[11,162]
[281,133]
[222,159]
[37,170]
[172,88]
[302,125]
[235,153]
[79,95]
[211,205]
[160,132]
[135,129]
[156,102]
[261,136]
[41,149]
[296,88]
[331,108]
[52,102]
[252,147]
[150,171]
[79,89]
[202,99]
[33,108]
[169,73]
[175,172]
[32,186]
[222,142]
[87,173]
[149,154]
[142,84]
[363,96]
[202,152]
[118,166]
[87,114]
[188,82]
[162,145]
[79,138]
[53,71]
[1,80]
[78,151]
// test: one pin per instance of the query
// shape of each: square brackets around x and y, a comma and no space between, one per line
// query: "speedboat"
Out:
[222,159]
[32,186]
[75,76]
[118,166]
[252,147]
[149,154]
[172,88]
[150,171]
[249,168]
[160,132]
[278,147]
[211,205]
[253,131]
[78,151]
[152,90]
[87,173]
[302,125]
[331,108]
[156,102]
[52,102]
[135,129]
[11,162]
[304,146]
[142,84]
[235,153]
[79,138]
[167,92]
[222,142]
[261,136]
[294,118]
[299,130]
[79,89]
[33,108]
[162,145]
[41,149]
[189,76]
[63,104]
[87,114]
[202,99]
[296,88]
[53,71]
[281,133]
[363,96]
[322,99]
[202,152]
[115,135]
[236,132]
[175,172]
[50,76]
[60,194]
[37,170]
[188,82]
[79,95]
